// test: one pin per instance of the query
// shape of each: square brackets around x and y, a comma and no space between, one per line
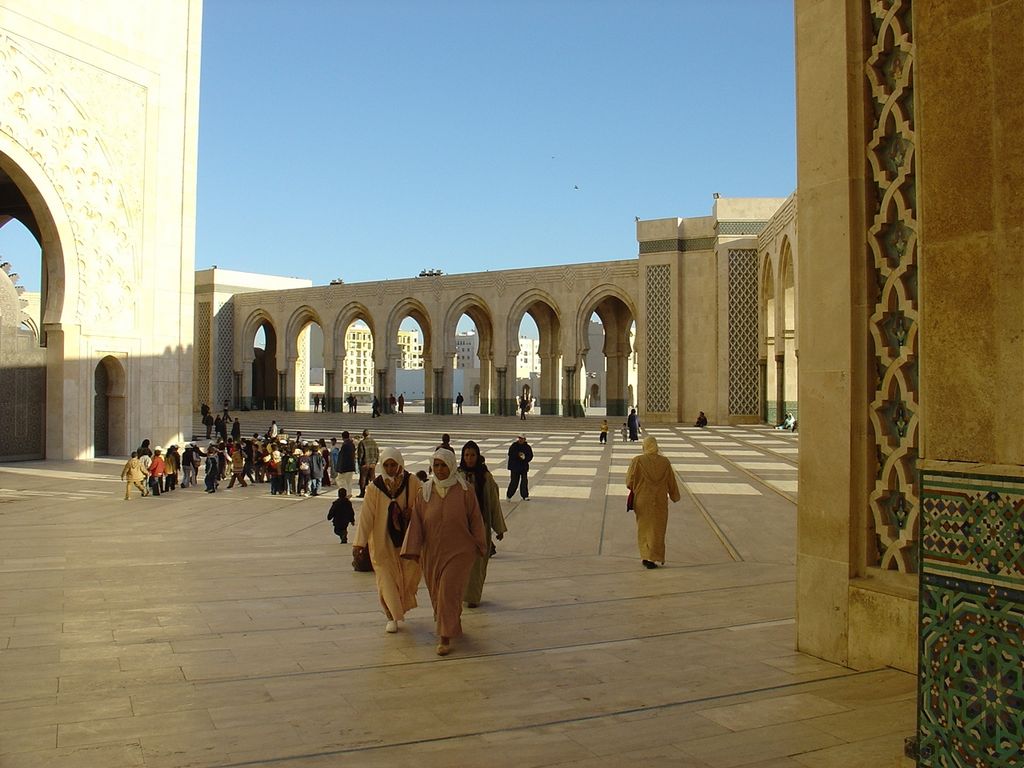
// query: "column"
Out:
[236,390]
[501,391]
[762,375]
[780,388]
[486,367]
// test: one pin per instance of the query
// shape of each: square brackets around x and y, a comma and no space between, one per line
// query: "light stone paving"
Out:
[229,630]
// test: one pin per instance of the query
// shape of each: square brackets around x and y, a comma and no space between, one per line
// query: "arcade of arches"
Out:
[690,300]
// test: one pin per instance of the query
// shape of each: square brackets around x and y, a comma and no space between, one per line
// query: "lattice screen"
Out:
[743,373]
[659,338]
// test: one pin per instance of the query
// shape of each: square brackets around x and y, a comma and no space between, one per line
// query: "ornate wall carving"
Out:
[893,326]
[659,338]
[85,128]
[225,353]
[743,373]
[202,351]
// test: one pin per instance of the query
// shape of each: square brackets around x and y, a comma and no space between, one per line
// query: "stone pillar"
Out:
[442,398]
[501,390]
[236,390]
[245,393]
[780,388]
[337,392]
[382,388]
[549,376]
[617,384]
[486,369]
[283,394]
[762,383]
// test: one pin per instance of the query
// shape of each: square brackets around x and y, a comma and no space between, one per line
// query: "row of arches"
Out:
[492,361]
[777,322]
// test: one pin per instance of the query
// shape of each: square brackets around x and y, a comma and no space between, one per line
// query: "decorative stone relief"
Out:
[659,338]
[743,373]
[202,351]
[69,133]
[224,374]
[892,239]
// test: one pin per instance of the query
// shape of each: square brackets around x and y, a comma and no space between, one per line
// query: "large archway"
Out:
[303,359]
[410,350]
[23,359]
[548,374]
[259,365]
[604,333]
[469,331]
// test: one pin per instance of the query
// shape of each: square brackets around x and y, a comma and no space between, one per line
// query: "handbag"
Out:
[629,502]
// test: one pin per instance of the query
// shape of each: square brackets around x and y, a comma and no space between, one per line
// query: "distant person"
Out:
[446,443]
[236,430]
[788,423]
[401,403]
[702,420]
[524,406]
[272,432]
[633,423]
[342,515]
[604,432]
[207,420]
[392,403]
[520,454]
[134,473]
[458,403]
[376,408]
[367,456]
[653,482]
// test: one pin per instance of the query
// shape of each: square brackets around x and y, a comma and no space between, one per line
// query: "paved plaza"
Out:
[230,629]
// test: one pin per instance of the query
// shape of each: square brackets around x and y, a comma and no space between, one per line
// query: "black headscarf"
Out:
[478,473]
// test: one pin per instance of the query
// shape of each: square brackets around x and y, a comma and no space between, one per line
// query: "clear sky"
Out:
[370,140]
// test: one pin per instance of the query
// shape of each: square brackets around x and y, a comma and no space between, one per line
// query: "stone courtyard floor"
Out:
[230,630]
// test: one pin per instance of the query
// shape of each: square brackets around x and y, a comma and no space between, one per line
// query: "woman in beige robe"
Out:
[382,525]
[486,489]
[653,482]
[446,530]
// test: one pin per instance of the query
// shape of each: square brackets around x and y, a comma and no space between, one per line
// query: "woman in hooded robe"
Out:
[653,482]
[383,521]
[482,482]
[446,534]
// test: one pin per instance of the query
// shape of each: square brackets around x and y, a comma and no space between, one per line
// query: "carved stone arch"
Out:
[248,330]
[110,413]
[592,303]
[481,315]
[544,310]
[347,315]
[46,217]
[300,318]
[414,308]
[617,312]
[535,297]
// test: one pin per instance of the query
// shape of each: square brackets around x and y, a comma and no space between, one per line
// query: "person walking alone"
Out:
[520,454]
[653,482]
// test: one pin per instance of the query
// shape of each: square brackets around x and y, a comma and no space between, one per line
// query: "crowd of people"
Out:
[438,527]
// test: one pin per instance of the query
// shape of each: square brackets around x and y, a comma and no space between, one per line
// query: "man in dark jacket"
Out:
[316,471]
[520,454]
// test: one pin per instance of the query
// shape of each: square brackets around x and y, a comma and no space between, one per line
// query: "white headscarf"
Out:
[442,486]
[650,445]
[395,455]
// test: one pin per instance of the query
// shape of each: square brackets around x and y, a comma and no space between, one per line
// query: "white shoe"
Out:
[391,627]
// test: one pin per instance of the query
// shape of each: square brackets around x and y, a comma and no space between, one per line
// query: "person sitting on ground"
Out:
[702,420]
[788,422]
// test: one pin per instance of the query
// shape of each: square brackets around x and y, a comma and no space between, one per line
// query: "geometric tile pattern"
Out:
[202,350]
[224,374]
[659,338]
[971,710]
[741,227]
[743,372]
[680,245]
[893,326]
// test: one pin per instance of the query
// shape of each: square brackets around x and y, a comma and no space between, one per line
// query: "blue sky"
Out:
[371,140]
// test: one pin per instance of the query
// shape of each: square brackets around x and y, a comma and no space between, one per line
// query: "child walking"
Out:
[342,514]
[133,474]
